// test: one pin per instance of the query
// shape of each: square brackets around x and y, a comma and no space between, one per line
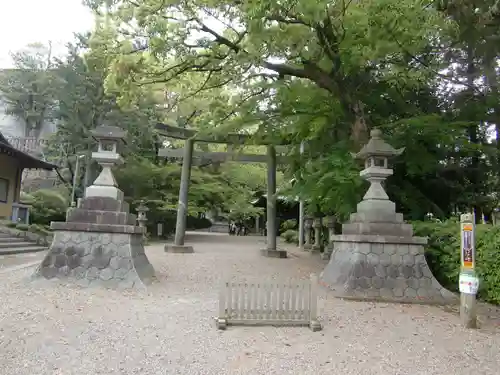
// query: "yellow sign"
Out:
[467,227]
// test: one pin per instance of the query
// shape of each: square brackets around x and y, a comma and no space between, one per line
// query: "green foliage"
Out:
[42,230]
[23,227]
[288,224]
[290,236]
[227,190]
[194,223]
[48,206]
[28,90]
[443,256]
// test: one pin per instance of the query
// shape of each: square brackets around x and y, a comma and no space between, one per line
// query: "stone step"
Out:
[7,238]
[22,250]
[16,243]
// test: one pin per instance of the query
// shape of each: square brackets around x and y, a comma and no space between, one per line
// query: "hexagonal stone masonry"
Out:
[383,268]
[113,260]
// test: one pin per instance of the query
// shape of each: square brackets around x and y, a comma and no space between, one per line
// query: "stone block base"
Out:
[179,249]
[113,260]
[274,253]
[382,269]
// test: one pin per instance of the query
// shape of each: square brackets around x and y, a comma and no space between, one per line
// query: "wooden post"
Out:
[180,225]
[468,281]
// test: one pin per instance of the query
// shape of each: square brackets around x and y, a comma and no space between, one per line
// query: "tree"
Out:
[325,73]
[251,47]
[28,89]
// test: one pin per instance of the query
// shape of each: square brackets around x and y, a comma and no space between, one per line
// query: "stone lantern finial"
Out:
[107,156]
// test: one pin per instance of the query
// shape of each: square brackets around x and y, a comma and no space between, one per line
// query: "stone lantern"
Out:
[100,243]
[330,224]
[375,155]
[317,225]
[308,224]
[107,157]
[142,209]
[377,256]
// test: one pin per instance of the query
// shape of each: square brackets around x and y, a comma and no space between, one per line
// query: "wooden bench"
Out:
[274,302]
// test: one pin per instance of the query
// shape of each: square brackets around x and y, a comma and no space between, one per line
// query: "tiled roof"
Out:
[26,160]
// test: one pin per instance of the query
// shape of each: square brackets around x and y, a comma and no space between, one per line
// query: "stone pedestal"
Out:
[388,268]
[178,249]
[274,253]
[98,246]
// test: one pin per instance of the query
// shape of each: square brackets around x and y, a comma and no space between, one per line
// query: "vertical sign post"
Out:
[468,281]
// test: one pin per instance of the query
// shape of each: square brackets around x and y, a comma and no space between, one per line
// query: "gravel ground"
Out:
[49,328]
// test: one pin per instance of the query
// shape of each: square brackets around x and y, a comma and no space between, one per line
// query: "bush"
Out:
[288,224]
[39,229]
[443,256]
[22,227]
[197,223]
[290,236]
[47,206]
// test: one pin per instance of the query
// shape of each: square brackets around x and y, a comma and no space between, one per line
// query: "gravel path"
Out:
[48,328]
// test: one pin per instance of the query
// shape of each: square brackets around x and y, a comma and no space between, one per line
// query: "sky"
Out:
[29,21]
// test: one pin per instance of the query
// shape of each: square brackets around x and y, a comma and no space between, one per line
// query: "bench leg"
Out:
[315,326]
[221,323]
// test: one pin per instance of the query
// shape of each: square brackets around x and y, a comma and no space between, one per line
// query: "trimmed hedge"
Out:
[443,255]
[290,236]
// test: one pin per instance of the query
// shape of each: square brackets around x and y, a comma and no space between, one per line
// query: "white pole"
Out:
[301,211]
[75,178]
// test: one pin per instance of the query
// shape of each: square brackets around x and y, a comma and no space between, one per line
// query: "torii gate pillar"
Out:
[271,250]
[180,225]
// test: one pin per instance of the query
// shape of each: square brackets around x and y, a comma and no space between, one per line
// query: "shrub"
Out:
[197,223]
[290,236]
[47,206]
[443,256]
[22,227]
[288,224]
[39,229]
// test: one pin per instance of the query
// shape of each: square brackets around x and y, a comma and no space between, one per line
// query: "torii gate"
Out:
[187,153]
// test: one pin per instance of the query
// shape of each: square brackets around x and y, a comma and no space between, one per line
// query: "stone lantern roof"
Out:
[376,146]
[110,133]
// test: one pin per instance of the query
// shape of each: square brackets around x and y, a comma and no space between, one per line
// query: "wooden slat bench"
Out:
[275,302]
